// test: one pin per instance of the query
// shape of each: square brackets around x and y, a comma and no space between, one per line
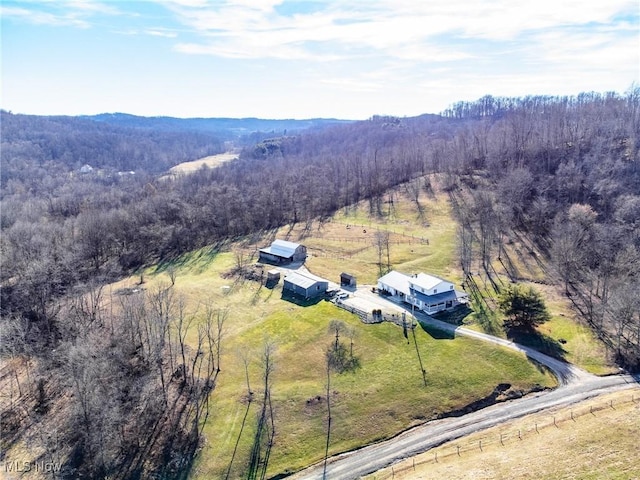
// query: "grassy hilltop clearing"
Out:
[386,395]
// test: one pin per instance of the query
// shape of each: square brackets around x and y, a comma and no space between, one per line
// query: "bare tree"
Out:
[265,430]
[382,243]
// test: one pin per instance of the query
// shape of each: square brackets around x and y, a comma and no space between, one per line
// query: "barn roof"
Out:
[281,248]
[301,280]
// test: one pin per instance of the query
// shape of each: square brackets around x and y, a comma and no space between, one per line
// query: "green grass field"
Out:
[386,395]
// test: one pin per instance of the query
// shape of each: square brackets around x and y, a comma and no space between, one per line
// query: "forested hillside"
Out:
[562,171]
[64,144]
[565,173]
[243,129]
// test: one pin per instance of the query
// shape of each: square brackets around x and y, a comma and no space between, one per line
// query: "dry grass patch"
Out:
[347,241]
[594,439]
[211,161]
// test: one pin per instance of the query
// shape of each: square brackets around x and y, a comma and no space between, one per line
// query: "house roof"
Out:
[405,283]
[430,282]
[441,297]
[281,248]
[301,280]
[396,280]
[437,298]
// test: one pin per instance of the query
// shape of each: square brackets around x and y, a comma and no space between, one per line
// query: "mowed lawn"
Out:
[383,397]
[386,395]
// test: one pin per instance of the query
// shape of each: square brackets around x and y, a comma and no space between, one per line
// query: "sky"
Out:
[307,58]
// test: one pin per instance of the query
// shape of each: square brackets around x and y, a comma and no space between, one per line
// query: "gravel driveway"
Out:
[575,385]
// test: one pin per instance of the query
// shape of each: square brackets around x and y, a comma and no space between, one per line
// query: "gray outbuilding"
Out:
[303,286]
[282,252]
[347,280]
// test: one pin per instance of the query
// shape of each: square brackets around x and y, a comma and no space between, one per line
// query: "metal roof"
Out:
[407,283]
[430,282]
[281,248]
[301,280]
[437,298]
[396,280]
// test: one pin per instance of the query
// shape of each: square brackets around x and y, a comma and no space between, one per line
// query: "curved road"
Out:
[575,385]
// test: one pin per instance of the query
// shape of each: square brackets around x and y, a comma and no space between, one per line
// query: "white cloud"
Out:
[43,18]
[401,29]
[63,13]
[159,32]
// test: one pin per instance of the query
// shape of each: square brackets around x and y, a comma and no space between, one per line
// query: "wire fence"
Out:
[499,440]
[377,316]
[359,232]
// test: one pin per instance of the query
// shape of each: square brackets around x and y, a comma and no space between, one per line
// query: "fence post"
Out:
[537,428]
[458,448]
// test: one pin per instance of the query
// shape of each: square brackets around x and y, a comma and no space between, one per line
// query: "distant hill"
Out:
[31,141]
[237,127]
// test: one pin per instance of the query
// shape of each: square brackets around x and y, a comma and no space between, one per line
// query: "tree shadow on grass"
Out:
[538,341]
[544,369]
[198,260]
[455,316]
[486,318]
[436,333]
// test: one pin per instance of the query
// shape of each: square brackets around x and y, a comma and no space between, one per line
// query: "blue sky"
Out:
[307,58]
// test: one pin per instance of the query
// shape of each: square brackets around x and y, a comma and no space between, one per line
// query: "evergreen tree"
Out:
[523,307]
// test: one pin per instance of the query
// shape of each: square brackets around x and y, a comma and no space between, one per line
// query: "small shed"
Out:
[347,280]
[273,277]
[303,286]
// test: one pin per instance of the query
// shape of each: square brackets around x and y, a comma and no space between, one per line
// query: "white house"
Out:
[425,292]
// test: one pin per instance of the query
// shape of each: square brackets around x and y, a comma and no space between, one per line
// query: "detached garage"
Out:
[306,287]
